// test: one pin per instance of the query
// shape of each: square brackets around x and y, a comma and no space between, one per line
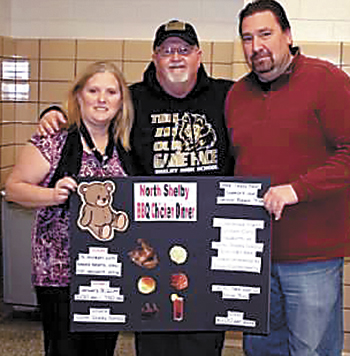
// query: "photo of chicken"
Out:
[144,255]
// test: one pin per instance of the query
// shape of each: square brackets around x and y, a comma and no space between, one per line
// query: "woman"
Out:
[99,122]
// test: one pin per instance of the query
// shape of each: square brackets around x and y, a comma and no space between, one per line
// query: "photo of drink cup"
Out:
[178,307]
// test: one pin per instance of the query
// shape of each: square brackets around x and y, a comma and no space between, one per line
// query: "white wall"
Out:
[318,20]
[5,17]
[214,19]
[312,20]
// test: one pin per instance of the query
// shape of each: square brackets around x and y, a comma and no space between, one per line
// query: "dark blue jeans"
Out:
[306,311]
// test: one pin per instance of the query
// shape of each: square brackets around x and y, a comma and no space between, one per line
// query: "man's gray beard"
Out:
[177,77]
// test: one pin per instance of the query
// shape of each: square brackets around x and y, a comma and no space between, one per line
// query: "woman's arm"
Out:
[22,186]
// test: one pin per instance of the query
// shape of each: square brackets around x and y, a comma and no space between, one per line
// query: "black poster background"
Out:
[200,304]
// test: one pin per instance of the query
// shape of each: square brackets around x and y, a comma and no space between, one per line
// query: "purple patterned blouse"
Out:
[50,240]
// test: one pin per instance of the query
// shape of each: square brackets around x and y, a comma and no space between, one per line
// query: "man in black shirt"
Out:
[179,129]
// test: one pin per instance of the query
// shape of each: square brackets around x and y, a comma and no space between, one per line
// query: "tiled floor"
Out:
[20,335]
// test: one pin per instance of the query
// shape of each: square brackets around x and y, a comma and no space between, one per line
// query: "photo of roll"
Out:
[146,285]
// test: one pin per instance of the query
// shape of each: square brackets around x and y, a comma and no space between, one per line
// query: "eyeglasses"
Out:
[170,51]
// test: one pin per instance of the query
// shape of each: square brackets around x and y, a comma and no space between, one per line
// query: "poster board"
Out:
[179,253]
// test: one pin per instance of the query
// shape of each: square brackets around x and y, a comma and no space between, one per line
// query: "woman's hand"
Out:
[62,189]
[50,123]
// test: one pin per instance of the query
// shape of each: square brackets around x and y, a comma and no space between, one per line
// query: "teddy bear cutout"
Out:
[96,213]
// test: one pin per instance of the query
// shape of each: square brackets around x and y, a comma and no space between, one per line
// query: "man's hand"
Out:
[277,197]
[50,123]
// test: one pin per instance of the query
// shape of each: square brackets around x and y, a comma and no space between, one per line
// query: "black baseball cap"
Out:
[176,28]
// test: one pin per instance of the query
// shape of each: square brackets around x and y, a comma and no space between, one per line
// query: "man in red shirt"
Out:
[290,120]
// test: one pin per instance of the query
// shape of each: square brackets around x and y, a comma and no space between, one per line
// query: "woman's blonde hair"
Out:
[125,115]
